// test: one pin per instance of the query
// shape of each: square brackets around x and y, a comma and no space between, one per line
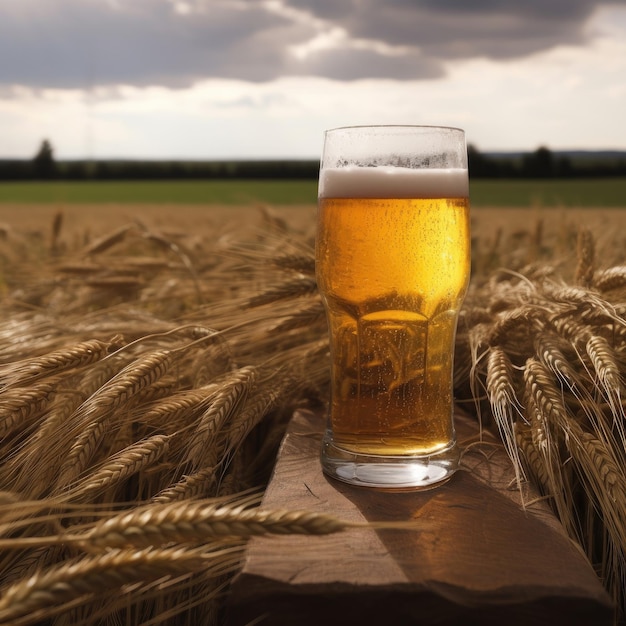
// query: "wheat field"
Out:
[151,358]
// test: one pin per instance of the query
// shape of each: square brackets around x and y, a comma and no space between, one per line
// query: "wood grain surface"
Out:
[482,551]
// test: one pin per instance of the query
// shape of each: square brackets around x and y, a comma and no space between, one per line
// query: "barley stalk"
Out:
[570,329]
[306,317]
[560,417]
[20,404]
[225,402]
[120,466]
[611,278]
[196,485]
[522,318]
[546,459]
[548,349]
[254,411]
[200,521]
[90,576]
[604,484]
[291,289]
[108,241]
[503,401]
[34,478]
[95,412]
[586,258]
[605,364]
[305,264]
[70,357]
[181,405]
[543,391]
[534,462]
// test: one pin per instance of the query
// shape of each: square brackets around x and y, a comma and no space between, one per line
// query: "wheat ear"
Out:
[108,241]
[223,405]
[196,485]
[503,402]
[611,278]
[20,404]
[290,289]
[546,413]
[70,357]
[586,254]
[122,465]
[200,521]
[88,577]
[95,411]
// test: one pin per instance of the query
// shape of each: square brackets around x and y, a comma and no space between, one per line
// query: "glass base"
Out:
[406,473]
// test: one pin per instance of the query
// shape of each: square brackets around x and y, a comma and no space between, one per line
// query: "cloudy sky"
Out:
[265,78]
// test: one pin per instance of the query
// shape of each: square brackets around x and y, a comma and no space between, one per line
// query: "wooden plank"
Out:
[479,557]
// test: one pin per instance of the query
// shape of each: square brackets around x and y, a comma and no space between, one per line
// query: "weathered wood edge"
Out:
[485,552]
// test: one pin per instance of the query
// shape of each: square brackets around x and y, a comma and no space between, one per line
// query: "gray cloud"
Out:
[445,29]
[83,43]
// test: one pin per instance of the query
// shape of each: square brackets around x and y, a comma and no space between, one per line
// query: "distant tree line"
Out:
[542,163]
[45,167]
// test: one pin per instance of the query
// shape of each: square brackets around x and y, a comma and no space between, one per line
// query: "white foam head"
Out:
[392,182]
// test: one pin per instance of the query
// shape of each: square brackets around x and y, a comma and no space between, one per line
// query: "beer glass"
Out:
[392,267]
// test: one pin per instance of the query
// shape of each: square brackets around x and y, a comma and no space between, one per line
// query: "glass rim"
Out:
[389,126]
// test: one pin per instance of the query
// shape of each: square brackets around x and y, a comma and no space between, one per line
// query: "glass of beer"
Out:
[392,266]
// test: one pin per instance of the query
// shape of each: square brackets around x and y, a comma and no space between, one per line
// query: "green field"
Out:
[610,192]
[577,192]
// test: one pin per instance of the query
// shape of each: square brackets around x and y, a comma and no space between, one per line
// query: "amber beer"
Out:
[393,262]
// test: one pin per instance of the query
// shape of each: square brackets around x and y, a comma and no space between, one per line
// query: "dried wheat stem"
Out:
[608,470]
[254,411]
[601,457]
[93,414]
[196,485]
[605,363]
[611,278]
[70,357]
[19,404]
[179,252]
[500,380]
[199,521]
[585,254]
[225,402]
[24,565]
[523,317]
[125,463]
[534,463]
[546,413]
[182,405]
[603,480]
[503,401]
[579,304]
[546,395]
[55,428]
[135,376]
[158,390]
[291,289]
[306,317]
[90,576]
[571,330]
[108,241]
[305,264]
[548,349]
[607,369]
[64,405]
[34,478]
